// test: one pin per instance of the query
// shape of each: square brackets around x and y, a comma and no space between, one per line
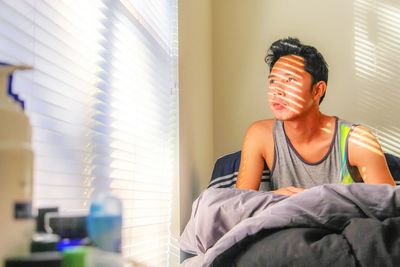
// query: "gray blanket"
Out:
[223,217]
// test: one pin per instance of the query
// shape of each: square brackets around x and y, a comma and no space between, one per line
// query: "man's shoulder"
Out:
[260,135]
[261,128]
[262,125]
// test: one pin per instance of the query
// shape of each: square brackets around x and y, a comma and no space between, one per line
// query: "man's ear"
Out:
[319,89]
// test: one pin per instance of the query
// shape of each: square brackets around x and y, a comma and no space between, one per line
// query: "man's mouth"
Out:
[278,105]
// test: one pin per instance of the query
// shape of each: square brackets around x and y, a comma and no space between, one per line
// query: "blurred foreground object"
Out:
[16,170]
[105,223]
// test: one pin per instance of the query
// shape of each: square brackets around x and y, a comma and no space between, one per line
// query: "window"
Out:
[102,102]
[377,69]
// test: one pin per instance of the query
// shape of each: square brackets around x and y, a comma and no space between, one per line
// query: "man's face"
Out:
[290,88]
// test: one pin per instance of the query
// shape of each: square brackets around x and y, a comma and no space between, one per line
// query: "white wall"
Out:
[196,110]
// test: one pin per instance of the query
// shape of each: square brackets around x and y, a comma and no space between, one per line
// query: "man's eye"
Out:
[291,79]
[271,81]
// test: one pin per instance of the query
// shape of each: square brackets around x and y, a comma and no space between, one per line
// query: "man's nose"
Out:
[279,89]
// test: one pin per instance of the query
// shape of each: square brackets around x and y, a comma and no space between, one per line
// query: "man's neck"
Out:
[307,128]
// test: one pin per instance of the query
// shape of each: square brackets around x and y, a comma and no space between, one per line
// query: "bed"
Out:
[328,225]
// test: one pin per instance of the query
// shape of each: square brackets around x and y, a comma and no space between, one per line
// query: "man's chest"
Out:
[311,152]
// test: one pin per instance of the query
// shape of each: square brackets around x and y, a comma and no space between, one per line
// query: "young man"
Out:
[303,147]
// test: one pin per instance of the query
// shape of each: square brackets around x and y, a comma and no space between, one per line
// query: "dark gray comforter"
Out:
[329,225]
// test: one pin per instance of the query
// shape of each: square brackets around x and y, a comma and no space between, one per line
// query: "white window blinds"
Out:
[103,106]
[377,68]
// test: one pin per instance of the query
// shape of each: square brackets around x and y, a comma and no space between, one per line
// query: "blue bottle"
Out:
[104,223]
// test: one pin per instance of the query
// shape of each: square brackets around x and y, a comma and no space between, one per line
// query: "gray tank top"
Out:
[290,169]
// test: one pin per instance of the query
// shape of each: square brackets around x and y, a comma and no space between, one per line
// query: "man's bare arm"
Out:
[252,160]
[366,154]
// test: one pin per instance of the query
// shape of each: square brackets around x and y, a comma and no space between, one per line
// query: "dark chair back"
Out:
[226,170]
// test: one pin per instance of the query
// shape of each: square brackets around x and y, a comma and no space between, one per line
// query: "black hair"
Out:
[314,62]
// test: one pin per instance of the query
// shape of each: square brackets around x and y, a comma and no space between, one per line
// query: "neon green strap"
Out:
[344,171]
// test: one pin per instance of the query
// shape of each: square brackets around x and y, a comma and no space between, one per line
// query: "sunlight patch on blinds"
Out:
[102,101]
[377,63]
